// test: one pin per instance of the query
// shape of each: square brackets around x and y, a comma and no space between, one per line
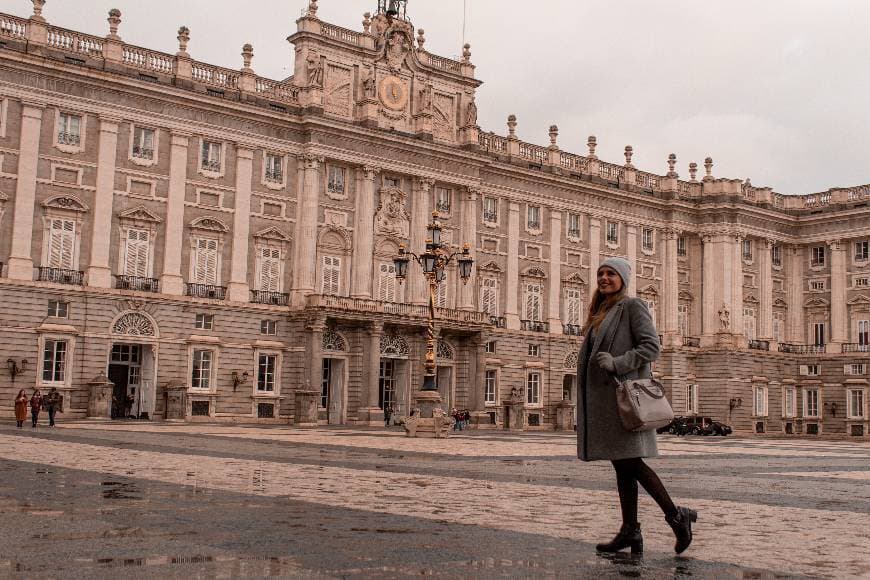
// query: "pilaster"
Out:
[631,250]
[467,289]
[363,233]
[595,253]
[512,319]
[737,285]
[171,281]
[670,298]
[99,273]
[305,256]
[420,216]
[239,290]
[839,313]
[20,257]
[794,294]
[372,414]
[765,300]
[554,286]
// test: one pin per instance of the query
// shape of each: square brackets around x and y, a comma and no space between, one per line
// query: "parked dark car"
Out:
[675,427]
[695,425]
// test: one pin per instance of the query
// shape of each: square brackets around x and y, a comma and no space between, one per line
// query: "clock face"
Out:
[393,93]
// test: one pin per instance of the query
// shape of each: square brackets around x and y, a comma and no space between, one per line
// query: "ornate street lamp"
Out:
[434,262]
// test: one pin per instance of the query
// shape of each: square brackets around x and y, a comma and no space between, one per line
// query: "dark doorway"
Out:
[119,374]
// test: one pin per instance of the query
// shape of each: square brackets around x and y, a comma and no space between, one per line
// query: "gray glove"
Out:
[605,361]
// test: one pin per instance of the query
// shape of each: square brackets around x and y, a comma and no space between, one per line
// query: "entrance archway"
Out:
[132,365]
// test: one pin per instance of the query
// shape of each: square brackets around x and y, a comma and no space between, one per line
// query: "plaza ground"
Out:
[104,500]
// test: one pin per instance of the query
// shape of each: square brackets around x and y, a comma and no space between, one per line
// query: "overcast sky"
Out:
[774,90]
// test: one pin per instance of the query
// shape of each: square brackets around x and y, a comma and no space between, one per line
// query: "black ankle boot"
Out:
[629,536]
[681,523]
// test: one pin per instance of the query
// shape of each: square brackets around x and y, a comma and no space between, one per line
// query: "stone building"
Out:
[221,241]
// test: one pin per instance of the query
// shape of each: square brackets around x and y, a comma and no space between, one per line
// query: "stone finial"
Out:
[312,9]
[367,23]
[421,38]
[693,171]
[512,126]
[114,21]
[672,164]
[708,166]
[554,133]
[247,56]
[37,10]
[592,143]
[466,53]
[183,39]
[629,151]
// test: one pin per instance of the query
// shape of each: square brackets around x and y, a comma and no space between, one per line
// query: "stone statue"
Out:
[425,99]
[391,217]
[471,114]
[724,318]
[315,70]
[369,89]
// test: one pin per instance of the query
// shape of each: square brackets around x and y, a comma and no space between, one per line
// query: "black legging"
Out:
[628,473]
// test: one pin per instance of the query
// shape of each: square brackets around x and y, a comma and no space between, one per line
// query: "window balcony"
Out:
[759,344]
[206,291]
[498,321]
[443,206]
[535,325]
[490,216]
[572,329]
[802,348]
[855,347]
[267,297]
[143,153]
[573,233]
[691,341]
[137,283]
[64,138]
[534,225]
[61,276]
[211,165]
[274,176]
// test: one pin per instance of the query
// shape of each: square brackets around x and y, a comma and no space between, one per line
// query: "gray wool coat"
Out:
[600,434]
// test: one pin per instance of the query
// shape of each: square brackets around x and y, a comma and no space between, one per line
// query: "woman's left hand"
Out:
[605,361]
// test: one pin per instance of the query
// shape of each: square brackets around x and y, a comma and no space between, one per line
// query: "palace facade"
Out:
[220,245]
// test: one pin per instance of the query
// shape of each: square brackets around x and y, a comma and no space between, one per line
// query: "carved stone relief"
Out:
[391,217]
[443,117]
[336,93]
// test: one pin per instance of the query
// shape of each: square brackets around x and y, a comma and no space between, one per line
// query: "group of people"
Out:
[52,402]
[461,419]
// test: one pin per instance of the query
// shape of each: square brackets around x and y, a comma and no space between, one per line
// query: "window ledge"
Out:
[142,162]
[72,149]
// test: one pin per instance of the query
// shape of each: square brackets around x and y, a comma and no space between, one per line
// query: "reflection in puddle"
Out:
[119,490]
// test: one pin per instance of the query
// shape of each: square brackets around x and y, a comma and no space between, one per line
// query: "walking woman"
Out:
[20,408]
[35,406]
[621,340]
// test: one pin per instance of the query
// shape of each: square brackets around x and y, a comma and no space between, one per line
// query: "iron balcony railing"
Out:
[498,321]
[443,206]
[206,291]
[759,344]
[691,341]
[61,276]
[268,297]
[274,176]
[572,329]
[211,165]
[802,348]
[535,325]
[65,138]
[137,283]
[490,216]
[855,347]
[143,152]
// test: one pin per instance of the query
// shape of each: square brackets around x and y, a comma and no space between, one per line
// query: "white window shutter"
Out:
[804,370]
[270,262]
[387,283]
[441,295]
[331,275]
[205,266]
[61,244]
[137,250]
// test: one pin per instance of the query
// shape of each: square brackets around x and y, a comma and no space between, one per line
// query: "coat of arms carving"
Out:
[391,217]
[397,48]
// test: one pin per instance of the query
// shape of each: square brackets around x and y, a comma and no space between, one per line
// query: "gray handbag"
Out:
[641,403]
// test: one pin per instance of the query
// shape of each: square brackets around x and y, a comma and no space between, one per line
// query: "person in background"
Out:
[20,408]
[35,406]
[388,414]
[53,402]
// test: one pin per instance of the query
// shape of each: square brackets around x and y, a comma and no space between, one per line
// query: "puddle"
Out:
[119,490]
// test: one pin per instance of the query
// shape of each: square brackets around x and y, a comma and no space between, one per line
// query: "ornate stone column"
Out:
[554,286]
[469,236]
[420,216]
[314,354]
[477,374]
[631,248]
[372,414]
[363,233]
[171,281]
[839,312]
[511,314]
[795,331]
[239,290]
[765,287]
[595,254]
[710,299]
[305,256]
[99,272]
[20,257]
[671,296]
[737,285]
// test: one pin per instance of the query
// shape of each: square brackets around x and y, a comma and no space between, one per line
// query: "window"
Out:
[490,387]
[574,225]
[61,244]
[759,408]
[325,382]
[747,249]
[856,369]
[143,143]
[54,361]
[862,251]
[534,217]
[489,296]
[331,275]
[683,319]
[534,350]
[274,168]
[863,333]
[266,366]
[811,402]
[205,261]
[573,306]
[647,239]
[533,389]
[204,322]
[817,256]
[335,179]
[862,282]
[387,384]
[692,399]
[776,255]
[490,347]
[817,284]
[612,233]
[442,199]
[270,269]
[441,295]
[387,283]
[778,326]
[490,210]
[819,333]
[681,246]
[749,323]
[269,327]
[789,402]
[58,309]
[201,369]
[651,306]
[810,370]
[391,181]
[533,302]
[69,129]
[211,156]
[855,404]
[137,249]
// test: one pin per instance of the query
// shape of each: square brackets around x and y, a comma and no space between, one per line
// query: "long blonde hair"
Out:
[600,306]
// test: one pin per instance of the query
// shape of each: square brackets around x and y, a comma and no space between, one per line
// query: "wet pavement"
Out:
[96,500]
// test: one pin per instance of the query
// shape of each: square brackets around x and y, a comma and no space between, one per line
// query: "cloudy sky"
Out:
[774,90]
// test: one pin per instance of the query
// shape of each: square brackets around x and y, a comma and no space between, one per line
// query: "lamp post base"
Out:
[428,420]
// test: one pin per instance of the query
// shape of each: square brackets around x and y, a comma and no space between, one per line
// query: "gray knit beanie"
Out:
[621,266]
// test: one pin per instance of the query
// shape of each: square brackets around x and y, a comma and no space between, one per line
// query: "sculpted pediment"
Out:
[209,224]
[817,303]
[139,214]
[3,197]
[750,298]
[272,233]
[780,303]
[535,273]
[859,299]
[648,290]
[574,278]
[686,295]
[490,267]
[66,202]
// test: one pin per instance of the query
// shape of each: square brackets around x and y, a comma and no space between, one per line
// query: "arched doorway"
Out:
[132,365]
[394,375]
[333,391]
